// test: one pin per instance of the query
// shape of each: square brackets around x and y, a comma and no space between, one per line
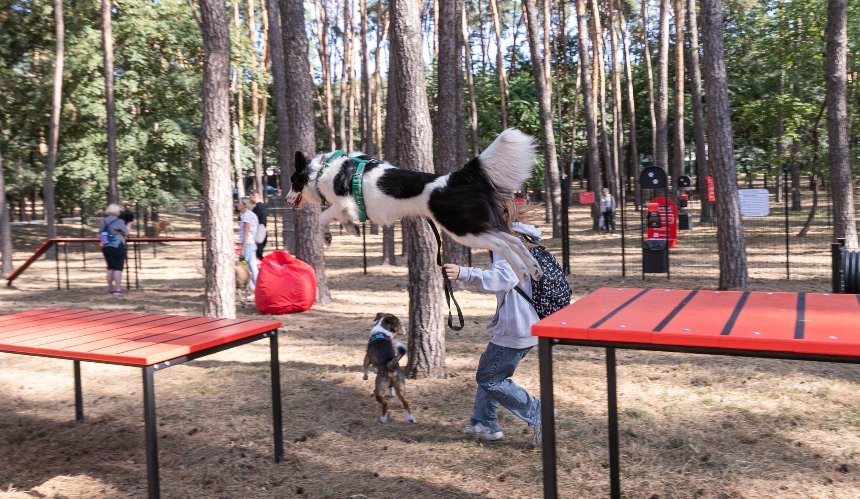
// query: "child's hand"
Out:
[451,270]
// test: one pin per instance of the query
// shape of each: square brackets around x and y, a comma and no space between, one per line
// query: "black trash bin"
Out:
[655,256]
[685,221]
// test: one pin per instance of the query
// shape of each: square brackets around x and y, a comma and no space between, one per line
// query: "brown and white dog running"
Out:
[161,227]
[466,203]
[384,353]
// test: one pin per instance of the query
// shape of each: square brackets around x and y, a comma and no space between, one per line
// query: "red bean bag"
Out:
[285,284]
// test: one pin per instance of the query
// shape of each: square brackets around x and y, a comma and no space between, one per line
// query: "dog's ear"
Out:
[380,315]
[301,161]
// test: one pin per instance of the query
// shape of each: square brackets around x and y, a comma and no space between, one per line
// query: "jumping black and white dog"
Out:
[466,203]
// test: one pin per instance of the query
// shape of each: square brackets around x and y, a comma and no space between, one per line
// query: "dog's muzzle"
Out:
[294,199]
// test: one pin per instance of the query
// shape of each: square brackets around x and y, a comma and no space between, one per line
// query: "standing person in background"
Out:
[511,341]
[607,208]
[248,224]
[262,213]
[112,231]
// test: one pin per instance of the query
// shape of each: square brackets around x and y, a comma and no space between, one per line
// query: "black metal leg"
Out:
[276,397]
[151,432]
[612,399]
[79,394]
[550,480]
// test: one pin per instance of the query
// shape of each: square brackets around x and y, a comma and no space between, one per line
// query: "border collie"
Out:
[385,354]
[465,203]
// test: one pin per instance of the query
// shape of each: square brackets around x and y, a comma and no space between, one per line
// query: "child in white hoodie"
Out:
[511,341]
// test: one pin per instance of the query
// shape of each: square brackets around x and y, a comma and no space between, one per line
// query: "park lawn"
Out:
[691,425]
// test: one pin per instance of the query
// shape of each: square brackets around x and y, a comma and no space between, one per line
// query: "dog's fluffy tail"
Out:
[509,161]
[401,351]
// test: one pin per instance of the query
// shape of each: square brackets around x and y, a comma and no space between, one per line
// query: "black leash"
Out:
[449,290]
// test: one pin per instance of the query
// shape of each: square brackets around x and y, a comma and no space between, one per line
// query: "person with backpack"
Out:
[112,231]
[260,235]
[248,223]
[511,340]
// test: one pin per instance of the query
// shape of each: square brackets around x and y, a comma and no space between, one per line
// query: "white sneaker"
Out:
[482,432]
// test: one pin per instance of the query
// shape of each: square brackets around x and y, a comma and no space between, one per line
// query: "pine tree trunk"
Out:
[391,147]
[110,106]
[279,88]
[449,107]
[661,154]
[649,72]
[702,167]
[264,106]
[633,170]
[5,226]
[680,147]
[597,38]
[730,235]
[617,119]
[594,184]
[426,330]
[325,62]
[545,108]
[841,183]
[238,113]
[367,144]
[220,297]
[54,130]
[470,84]
[500,64]
[302,136]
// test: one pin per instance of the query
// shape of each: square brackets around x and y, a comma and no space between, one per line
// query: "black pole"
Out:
[66,263]
[57,263]
[612,402]
[151,432]
[565,220]
[79,393]
[277,411]
[364,246]
[787,265]
[622,201]
[548,454]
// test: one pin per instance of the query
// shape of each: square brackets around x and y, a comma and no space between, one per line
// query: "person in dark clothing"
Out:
[262,214]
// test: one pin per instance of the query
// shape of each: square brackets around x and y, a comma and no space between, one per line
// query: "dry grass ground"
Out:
[691,426]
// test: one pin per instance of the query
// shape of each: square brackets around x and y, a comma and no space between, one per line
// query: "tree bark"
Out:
[594,183]
[5,226]
[661,155]
[54,130]
[500,64]
[679,146]
[392,139]
[470,84]
[346,81]
[649,72]
[238,113]
[633,170]
[220,297]
[598,41]
[617,119]
[449,107]
[426,329]
[545,109]
[302,136]
[367,144]
[325,62]
[841,183]
[110,106]
[702,168]
[730,235]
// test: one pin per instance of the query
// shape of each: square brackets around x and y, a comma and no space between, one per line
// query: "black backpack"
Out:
[552,292]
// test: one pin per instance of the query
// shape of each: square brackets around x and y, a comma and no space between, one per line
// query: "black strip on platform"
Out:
[801,316]
[735,313]
[619,308]
[674,312]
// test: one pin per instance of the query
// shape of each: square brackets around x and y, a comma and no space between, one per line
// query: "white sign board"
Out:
[754,202]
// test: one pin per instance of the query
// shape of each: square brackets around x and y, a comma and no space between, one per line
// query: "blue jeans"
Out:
[249,253]
[496,388]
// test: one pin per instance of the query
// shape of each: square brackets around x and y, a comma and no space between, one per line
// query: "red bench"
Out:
[803,326]
[148,341]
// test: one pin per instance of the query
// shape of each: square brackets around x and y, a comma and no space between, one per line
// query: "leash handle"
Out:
[449,289]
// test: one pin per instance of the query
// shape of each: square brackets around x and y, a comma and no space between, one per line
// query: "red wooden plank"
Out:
[700,321]
[77,325]
[96,330]
[178,347]
[29,314]
[767,322]
[573,321]
[134,333]
[636,322]
[47,243]
[831,325]
[47,324]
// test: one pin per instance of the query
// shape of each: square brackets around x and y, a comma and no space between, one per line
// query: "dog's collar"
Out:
[333,156]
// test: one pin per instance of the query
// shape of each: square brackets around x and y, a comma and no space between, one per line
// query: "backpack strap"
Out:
[528,298]
[449,290]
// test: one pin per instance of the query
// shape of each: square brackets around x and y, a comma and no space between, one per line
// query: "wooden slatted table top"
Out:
[127,338]
[802,323]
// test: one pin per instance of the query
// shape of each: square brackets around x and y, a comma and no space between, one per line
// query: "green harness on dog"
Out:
[356,180]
